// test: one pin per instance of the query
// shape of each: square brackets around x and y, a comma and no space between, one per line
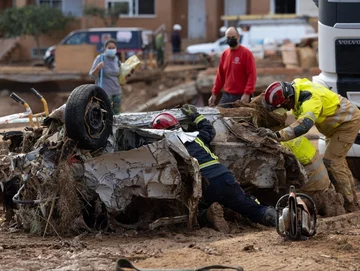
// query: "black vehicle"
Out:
[129,41]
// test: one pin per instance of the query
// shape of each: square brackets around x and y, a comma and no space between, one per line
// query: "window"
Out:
[285,6]
[133,7]
[72,8]
[146,7]
[36,54]
[123,6]
[51,3]
[77,38]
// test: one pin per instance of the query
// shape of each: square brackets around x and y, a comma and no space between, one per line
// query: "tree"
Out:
[31,20]
[109,17]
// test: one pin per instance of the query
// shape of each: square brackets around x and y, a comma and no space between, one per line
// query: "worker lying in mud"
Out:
[221,187]
[334,116]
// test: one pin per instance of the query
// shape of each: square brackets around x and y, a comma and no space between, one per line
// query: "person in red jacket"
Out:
[236,73]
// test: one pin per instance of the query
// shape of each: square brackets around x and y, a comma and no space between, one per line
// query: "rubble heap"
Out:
[254,112]
[53,187]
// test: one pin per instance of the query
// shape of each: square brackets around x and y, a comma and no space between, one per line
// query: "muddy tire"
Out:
[88,117]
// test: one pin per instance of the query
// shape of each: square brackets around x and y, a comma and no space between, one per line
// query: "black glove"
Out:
[263,132]
[190,111]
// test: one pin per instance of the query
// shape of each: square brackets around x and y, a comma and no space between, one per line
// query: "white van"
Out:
[256,38]
[220,45]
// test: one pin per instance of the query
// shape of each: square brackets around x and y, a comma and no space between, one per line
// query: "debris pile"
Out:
[141,179]
[305,55]
[255,113]
[60,189]
[49,195]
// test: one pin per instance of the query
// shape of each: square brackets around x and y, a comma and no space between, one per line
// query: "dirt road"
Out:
[335,247]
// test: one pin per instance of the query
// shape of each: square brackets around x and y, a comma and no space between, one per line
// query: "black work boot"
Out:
[270,217]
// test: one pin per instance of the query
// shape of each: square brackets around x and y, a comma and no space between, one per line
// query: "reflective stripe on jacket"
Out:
[308,156]
[318,178]
[314,101]
[210,166]
[302,148]
[326,108]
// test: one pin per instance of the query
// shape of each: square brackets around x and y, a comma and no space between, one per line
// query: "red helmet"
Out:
[277,94]
[165,121]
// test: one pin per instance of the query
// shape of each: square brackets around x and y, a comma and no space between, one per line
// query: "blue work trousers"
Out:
[225,190]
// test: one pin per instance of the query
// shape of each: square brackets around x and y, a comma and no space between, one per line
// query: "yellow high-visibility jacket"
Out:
[302,148]
[326,109]
[308,156]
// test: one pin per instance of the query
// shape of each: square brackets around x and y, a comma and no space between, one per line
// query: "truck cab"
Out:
[339,59]
[339,47]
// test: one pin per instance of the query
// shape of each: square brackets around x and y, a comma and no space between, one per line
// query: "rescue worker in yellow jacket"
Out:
[317,186]
[334,116]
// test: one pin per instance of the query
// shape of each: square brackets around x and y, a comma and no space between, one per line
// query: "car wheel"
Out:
[50,62]
[52,65]
[88,117]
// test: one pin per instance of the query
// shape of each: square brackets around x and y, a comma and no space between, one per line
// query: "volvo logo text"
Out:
[348,42]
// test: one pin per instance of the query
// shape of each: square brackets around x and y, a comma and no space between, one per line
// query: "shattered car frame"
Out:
[136,163]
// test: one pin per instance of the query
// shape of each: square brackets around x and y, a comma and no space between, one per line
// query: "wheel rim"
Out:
[95,117]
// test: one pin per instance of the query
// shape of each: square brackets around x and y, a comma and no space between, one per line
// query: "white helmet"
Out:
[177,27]
[223,29]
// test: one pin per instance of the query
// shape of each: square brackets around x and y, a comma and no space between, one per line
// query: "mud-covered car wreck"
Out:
[86,169]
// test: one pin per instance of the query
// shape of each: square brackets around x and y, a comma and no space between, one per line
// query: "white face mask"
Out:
[110,52]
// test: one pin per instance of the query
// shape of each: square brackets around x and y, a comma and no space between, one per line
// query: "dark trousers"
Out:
[116,103]
[176,49]
[225,190]
[160,57]
[227,99]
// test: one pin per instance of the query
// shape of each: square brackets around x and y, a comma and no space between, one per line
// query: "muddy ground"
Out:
[253,247]
[335,247]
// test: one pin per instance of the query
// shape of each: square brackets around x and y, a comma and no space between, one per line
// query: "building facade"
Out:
[200,19]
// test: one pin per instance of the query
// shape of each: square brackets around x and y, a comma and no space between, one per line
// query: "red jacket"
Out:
[236,72]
